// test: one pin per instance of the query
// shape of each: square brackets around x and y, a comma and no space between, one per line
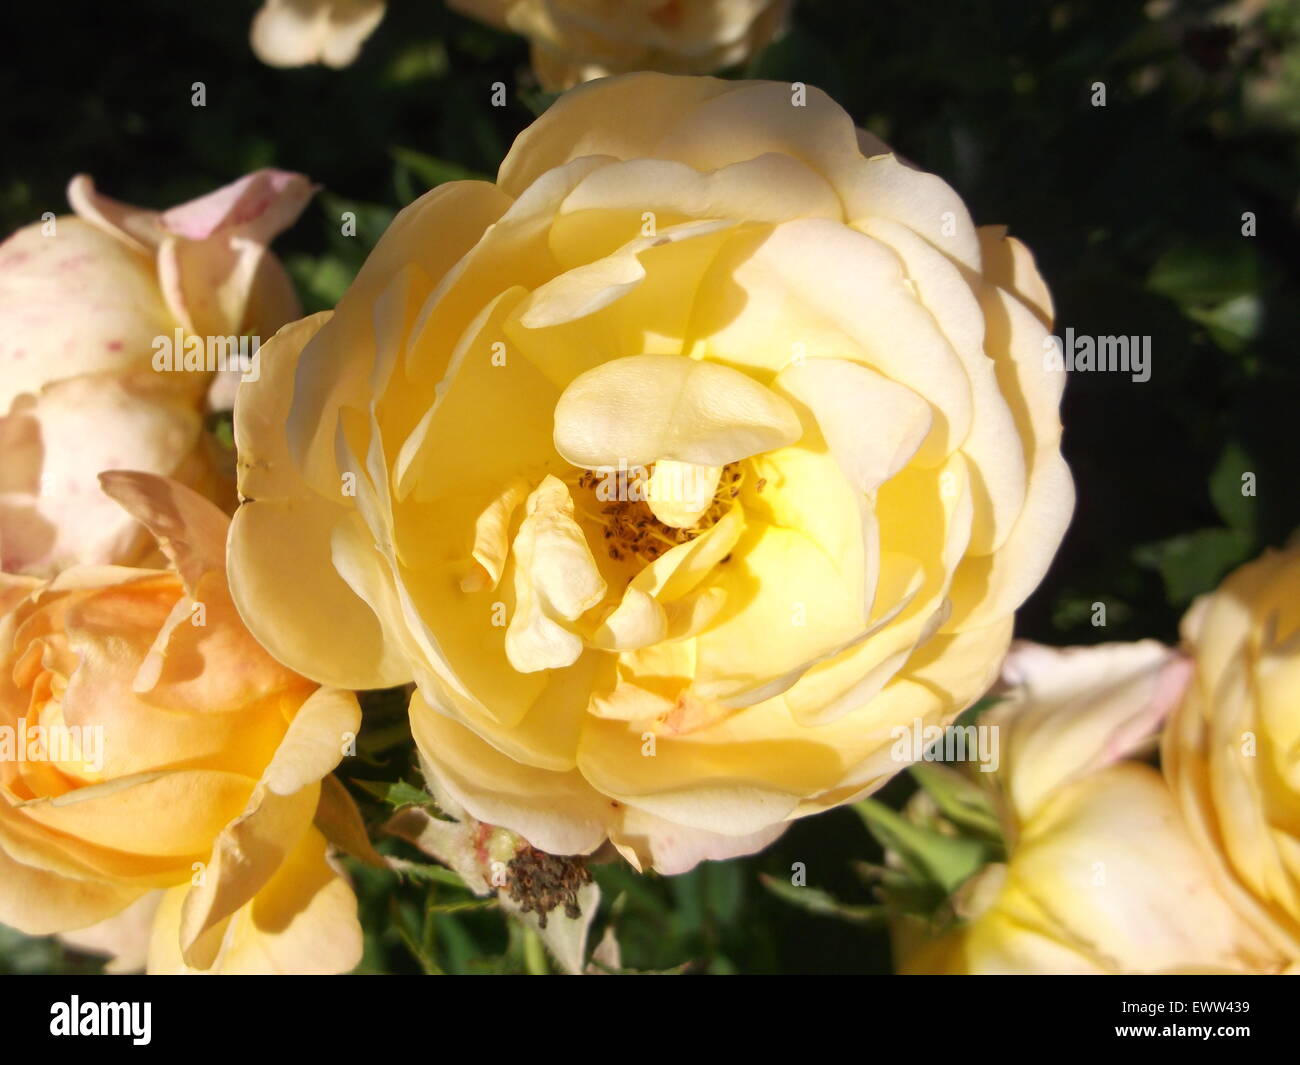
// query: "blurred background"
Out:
[1134,211]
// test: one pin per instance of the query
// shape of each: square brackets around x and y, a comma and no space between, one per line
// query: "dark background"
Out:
[1134,211]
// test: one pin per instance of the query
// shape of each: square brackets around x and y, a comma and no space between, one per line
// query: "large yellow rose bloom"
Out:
[153,756]
[718,294]
[1231,752]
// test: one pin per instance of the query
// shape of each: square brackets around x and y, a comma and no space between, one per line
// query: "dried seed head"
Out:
[541,882]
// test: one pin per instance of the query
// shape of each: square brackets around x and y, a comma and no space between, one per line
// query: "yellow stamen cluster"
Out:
[630,527]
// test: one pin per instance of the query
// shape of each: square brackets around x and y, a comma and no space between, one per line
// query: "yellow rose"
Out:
[577,40]
[151,754]
[1101,875]
[831,384]
[1231,752]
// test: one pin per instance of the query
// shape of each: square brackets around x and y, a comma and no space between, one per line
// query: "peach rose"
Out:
[152,755]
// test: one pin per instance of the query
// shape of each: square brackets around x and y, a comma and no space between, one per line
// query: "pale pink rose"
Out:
[54,444]
[93,293]
[73,302]
[212,256]
[89,304]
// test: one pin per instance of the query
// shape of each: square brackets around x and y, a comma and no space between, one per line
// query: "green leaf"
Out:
[724,890]
[641,892]
[378,740]
[371,221]
[421,951]
[902,893]
[1195,562]
[1075,609]
[431,170]
[1206,275]
[461,953]
[396,793]
[29,954]
[961,801]
[821,903]
[419,871]
[928,855]
[1235,507]
[1233,323]
[320,280]
[416,62]
[462,905]
[538,101]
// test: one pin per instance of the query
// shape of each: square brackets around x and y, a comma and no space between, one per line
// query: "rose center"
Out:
[619,503]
